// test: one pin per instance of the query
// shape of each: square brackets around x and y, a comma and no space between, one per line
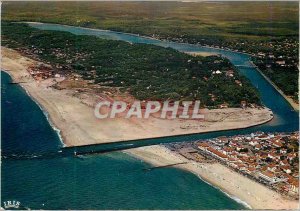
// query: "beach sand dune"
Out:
[73,114]
[254,194]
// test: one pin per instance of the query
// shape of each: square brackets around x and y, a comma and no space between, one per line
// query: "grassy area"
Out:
[146,71]
[268,28]
[248,20]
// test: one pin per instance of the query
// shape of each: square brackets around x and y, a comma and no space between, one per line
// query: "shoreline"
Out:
[235,198]
[60,106]
[293,104]
[243,190]
[290,101]
[51,117]
[45,113]
[172,136]
[137,35]
[131,153]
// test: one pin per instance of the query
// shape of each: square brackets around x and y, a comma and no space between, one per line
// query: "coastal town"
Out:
[278,59]
[150,105]
[271,159]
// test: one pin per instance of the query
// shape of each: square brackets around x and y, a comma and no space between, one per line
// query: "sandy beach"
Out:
[254,194]
[73,113]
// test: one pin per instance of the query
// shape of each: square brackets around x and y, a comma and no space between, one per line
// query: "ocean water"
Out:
[285,118]
[37,174]
[107,181]
[23,133]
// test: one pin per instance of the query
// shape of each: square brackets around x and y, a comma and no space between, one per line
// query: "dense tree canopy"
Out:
[146,71]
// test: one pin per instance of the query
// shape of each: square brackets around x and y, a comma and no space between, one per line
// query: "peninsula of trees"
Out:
[146,71]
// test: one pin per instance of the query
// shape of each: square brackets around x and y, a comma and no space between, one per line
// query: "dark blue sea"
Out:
[36,172]
[108,181]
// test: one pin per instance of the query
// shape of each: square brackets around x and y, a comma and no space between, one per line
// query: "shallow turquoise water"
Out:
[114,180]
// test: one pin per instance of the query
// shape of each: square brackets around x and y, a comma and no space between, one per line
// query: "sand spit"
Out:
[73,114]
